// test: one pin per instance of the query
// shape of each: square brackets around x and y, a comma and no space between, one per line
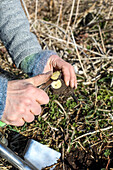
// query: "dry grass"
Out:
[81,32]
[77,31]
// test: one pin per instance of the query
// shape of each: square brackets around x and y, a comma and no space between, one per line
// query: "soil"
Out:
[80,160]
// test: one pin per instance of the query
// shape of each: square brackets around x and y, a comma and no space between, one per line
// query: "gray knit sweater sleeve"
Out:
[3,92]
[14,31]
[20,43]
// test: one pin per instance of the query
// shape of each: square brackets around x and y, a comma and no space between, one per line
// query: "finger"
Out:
[28,117]
[40,79]
[35,94]
[41,97]
[68,71]
[69,75]
[35,109]
[66,74]
[9,118]
[73,81]
[19,122]
[65,67]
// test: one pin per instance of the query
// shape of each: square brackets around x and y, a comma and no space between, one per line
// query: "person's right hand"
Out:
[24,100]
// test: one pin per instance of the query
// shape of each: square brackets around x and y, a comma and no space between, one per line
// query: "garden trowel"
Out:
[40,155]
[36,156]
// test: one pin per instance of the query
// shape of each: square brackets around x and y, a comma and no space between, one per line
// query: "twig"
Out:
[71,141]
[76,118]
[63,154]
[60,15]
[60,12]
[53,128]
[96,92]
[82,146]
[79,57]
[84,14]
[96,22]
[108,163]
[98,46]
[103,110]
[77,10]
[95,144]
[57,102]
[108,16]
[111,82]
[96,15]
[90,133]
[102,39]
[36,11]
[81,47]
[49,23]
[111,116]
[27,13]
[72,8]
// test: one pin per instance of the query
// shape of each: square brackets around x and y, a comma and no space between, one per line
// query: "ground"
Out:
[81,128]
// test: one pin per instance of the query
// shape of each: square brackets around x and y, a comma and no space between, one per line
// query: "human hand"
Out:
[55,62]
[24,100]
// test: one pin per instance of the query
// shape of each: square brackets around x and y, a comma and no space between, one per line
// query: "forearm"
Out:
[3,93]
[15,31]
[19,41]
[35,64]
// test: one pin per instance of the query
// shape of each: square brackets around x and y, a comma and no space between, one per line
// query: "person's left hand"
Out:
[55,62]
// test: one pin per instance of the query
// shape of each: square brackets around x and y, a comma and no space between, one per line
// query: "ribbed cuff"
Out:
[3,94]
[34,64]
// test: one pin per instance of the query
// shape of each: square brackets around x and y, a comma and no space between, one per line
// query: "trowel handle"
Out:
[15,160]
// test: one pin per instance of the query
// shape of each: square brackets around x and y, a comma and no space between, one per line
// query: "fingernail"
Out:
[76,85]
[67,83]
[72,84]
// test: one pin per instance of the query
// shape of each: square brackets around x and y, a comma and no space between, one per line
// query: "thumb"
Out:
[40,79]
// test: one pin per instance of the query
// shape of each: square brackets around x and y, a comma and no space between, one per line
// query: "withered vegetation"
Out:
[81,32]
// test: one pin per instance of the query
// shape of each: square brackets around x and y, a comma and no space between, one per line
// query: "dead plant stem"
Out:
[79,57]
[71,13]
[26,10]
[36,8]
[77,11]
[104,49]
[81,47]
[90,133]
